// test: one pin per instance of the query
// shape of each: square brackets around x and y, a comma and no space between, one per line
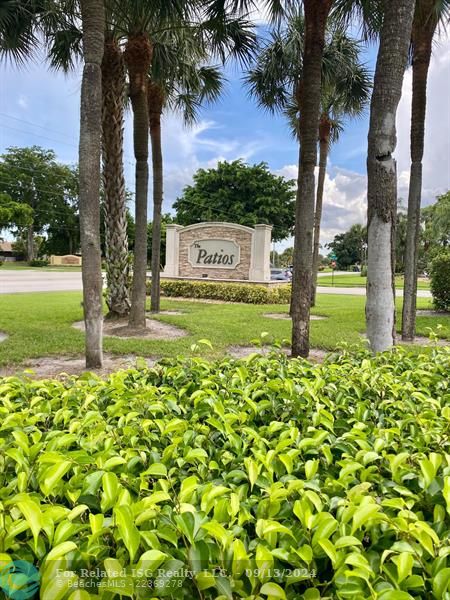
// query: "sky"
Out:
[41,107]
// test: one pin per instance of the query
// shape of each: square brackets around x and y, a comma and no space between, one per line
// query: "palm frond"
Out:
[65,48]
[367,15]
[274,77]
[18,35]
[229,37]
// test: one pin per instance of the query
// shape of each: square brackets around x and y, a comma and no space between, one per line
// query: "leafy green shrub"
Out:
[265,478]
[1,262]
[38,262]
[228,292]
[440,281]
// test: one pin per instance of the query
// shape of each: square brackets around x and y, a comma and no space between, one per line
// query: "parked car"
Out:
[279,275]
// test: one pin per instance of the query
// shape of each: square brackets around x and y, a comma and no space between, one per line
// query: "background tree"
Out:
[241,193]
[349,247]
[32,176]
[428,14]
[382,173]
[138,56]
[286,257]
[93,25]
[14,215]
[306,89]
[435,231]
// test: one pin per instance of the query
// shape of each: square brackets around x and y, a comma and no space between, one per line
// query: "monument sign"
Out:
[217,250]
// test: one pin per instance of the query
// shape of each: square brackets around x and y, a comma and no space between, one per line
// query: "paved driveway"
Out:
[46,281]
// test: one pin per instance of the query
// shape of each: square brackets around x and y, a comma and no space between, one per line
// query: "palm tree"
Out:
[176,82]
[93,23]
[344,95]
[142,24]
[24,26]
[274,81]
[64,51]
[308,96]
[138,57]
[381,172]
[116,239]
[428,14]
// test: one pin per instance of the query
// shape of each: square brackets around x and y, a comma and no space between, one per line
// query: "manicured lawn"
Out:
[355,280]
[21,266]
[40,324]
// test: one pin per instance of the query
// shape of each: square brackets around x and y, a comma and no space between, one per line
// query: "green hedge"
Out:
[440,281]
[38,262]
[228,292]
[262,479]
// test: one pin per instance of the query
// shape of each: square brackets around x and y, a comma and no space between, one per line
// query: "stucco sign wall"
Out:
[217,250]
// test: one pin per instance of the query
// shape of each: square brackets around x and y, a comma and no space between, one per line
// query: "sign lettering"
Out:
[214,253]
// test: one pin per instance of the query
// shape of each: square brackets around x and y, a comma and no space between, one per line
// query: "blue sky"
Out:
[41,107]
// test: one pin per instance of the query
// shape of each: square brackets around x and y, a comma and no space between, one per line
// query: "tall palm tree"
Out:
[93,23]
[138,57]
[64,51]
[140,23]
[24,27]
[309,95]
[382,175]
[274,81]
[345,95]
[143,23]
[308,91]
[177,82]
[428,14]
[116,239]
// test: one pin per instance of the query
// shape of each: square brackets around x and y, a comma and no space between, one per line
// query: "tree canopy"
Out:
[241,193]
[349,246]
[14,214]
[44,191]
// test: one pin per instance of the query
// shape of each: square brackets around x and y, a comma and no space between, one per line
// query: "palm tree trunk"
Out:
[138,56]
[316,14]
[93,22]
[382,173]
[324,145]
[116,240]
[422,40]
[156,101]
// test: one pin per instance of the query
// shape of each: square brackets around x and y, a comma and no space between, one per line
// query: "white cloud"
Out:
[23,101]
[345,200]
[187,149]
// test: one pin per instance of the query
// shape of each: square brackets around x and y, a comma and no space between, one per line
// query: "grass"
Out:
[21,266]
[39,324]
[355,280]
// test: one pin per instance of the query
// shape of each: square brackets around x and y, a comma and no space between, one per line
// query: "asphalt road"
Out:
[25,281]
